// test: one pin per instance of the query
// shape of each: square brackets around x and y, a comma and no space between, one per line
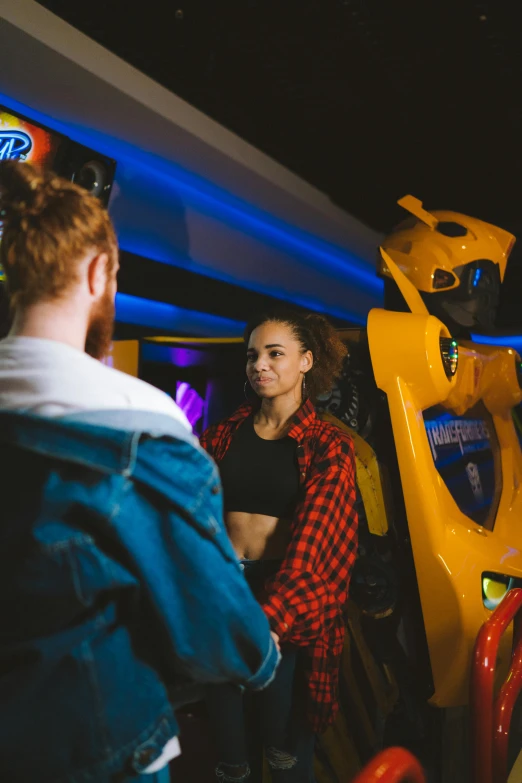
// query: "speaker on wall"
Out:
[86,168]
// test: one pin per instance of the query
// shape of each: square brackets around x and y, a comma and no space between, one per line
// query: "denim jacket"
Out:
[119,589]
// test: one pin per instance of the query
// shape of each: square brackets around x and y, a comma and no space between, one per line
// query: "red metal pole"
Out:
[482,679]
[393,765]
[504,706]
[481,706]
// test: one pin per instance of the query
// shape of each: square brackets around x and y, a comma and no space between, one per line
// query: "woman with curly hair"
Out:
[289,494]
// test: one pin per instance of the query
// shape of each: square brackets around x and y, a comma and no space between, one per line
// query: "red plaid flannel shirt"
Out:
[307,597]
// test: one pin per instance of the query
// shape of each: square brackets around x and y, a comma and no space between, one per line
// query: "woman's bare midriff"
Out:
[257,536]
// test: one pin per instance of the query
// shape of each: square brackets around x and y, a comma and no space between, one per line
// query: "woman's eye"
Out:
[251,358]
[276,353]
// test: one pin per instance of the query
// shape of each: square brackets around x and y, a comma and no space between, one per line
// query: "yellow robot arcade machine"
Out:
[439,474]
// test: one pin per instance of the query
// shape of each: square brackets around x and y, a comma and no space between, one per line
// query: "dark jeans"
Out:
[272,719]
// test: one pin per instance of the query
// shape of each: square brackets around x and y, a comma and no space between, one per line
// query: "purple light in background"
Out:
[190,402]
[182,357]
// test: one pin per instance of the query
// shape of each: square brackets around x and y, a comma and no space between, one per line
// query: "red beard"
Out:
[101,327]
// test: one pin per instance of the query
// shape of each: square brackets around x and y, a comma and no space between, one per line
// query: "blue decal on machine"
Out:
[14,144]
[466,454]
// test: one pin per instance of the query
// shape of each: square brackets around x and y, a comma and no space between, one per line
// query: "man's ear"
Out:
[97,275]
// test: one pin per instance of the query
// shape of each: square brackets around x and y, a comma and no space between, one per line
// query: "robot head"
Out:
[457,263]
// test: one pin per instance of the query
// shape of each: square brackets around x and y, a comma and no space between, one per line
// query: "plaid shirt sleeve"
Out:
[207,440]
[308,594]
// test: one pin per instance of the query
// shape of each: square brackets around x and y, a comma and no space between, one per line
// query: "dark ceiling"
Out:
[366,99]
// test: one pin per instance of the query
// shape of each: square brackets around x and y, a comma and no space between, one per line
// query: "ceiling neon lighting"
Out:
[143,247]
[291,240]
[168,317]
[209,194]
[313,252]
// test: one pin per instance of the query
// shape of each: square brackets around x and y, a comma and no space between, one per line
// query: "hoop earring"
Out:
[245,391]
[303,390]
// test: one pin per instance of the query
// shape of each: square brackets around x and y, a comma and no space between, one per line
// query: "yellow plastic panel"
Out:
[414,206]
[450,550]
[368,479]
[124,356]
[408,290]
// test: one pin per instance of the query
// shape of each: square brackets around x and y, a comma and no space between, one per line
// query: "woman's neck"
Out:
[275,413]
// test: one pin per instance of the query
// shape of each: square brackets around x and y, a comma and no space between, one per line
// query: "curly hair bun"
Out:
[22,191]
[49,224]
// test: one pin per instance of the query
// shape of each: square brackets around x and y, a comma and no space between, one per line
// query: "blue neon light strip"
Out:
[508,341]
[291,240]
[169,318]
[142,248]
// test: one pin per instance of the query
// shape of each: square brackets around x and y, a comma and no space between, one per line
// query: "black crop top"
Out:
[260,476]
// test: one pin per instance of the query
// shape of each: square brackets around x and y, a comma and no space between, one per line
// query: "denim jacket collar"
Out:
[104,440]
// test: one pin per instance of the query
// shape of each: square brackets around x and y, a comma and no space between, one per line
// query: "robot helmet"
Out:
[456,262]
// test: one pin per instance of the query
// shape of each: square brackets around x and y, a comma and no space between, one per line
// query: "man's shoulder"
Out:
[124,381]
[56,374]
[139,394]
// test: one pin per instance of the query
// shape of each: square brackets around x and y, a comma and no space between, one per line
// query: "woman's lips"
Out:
[262,381]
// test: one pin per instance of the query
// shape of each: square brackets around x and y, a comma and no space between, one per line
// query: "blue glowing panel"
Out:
[184,231]
[169,318]
[510,341]
[466,454]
